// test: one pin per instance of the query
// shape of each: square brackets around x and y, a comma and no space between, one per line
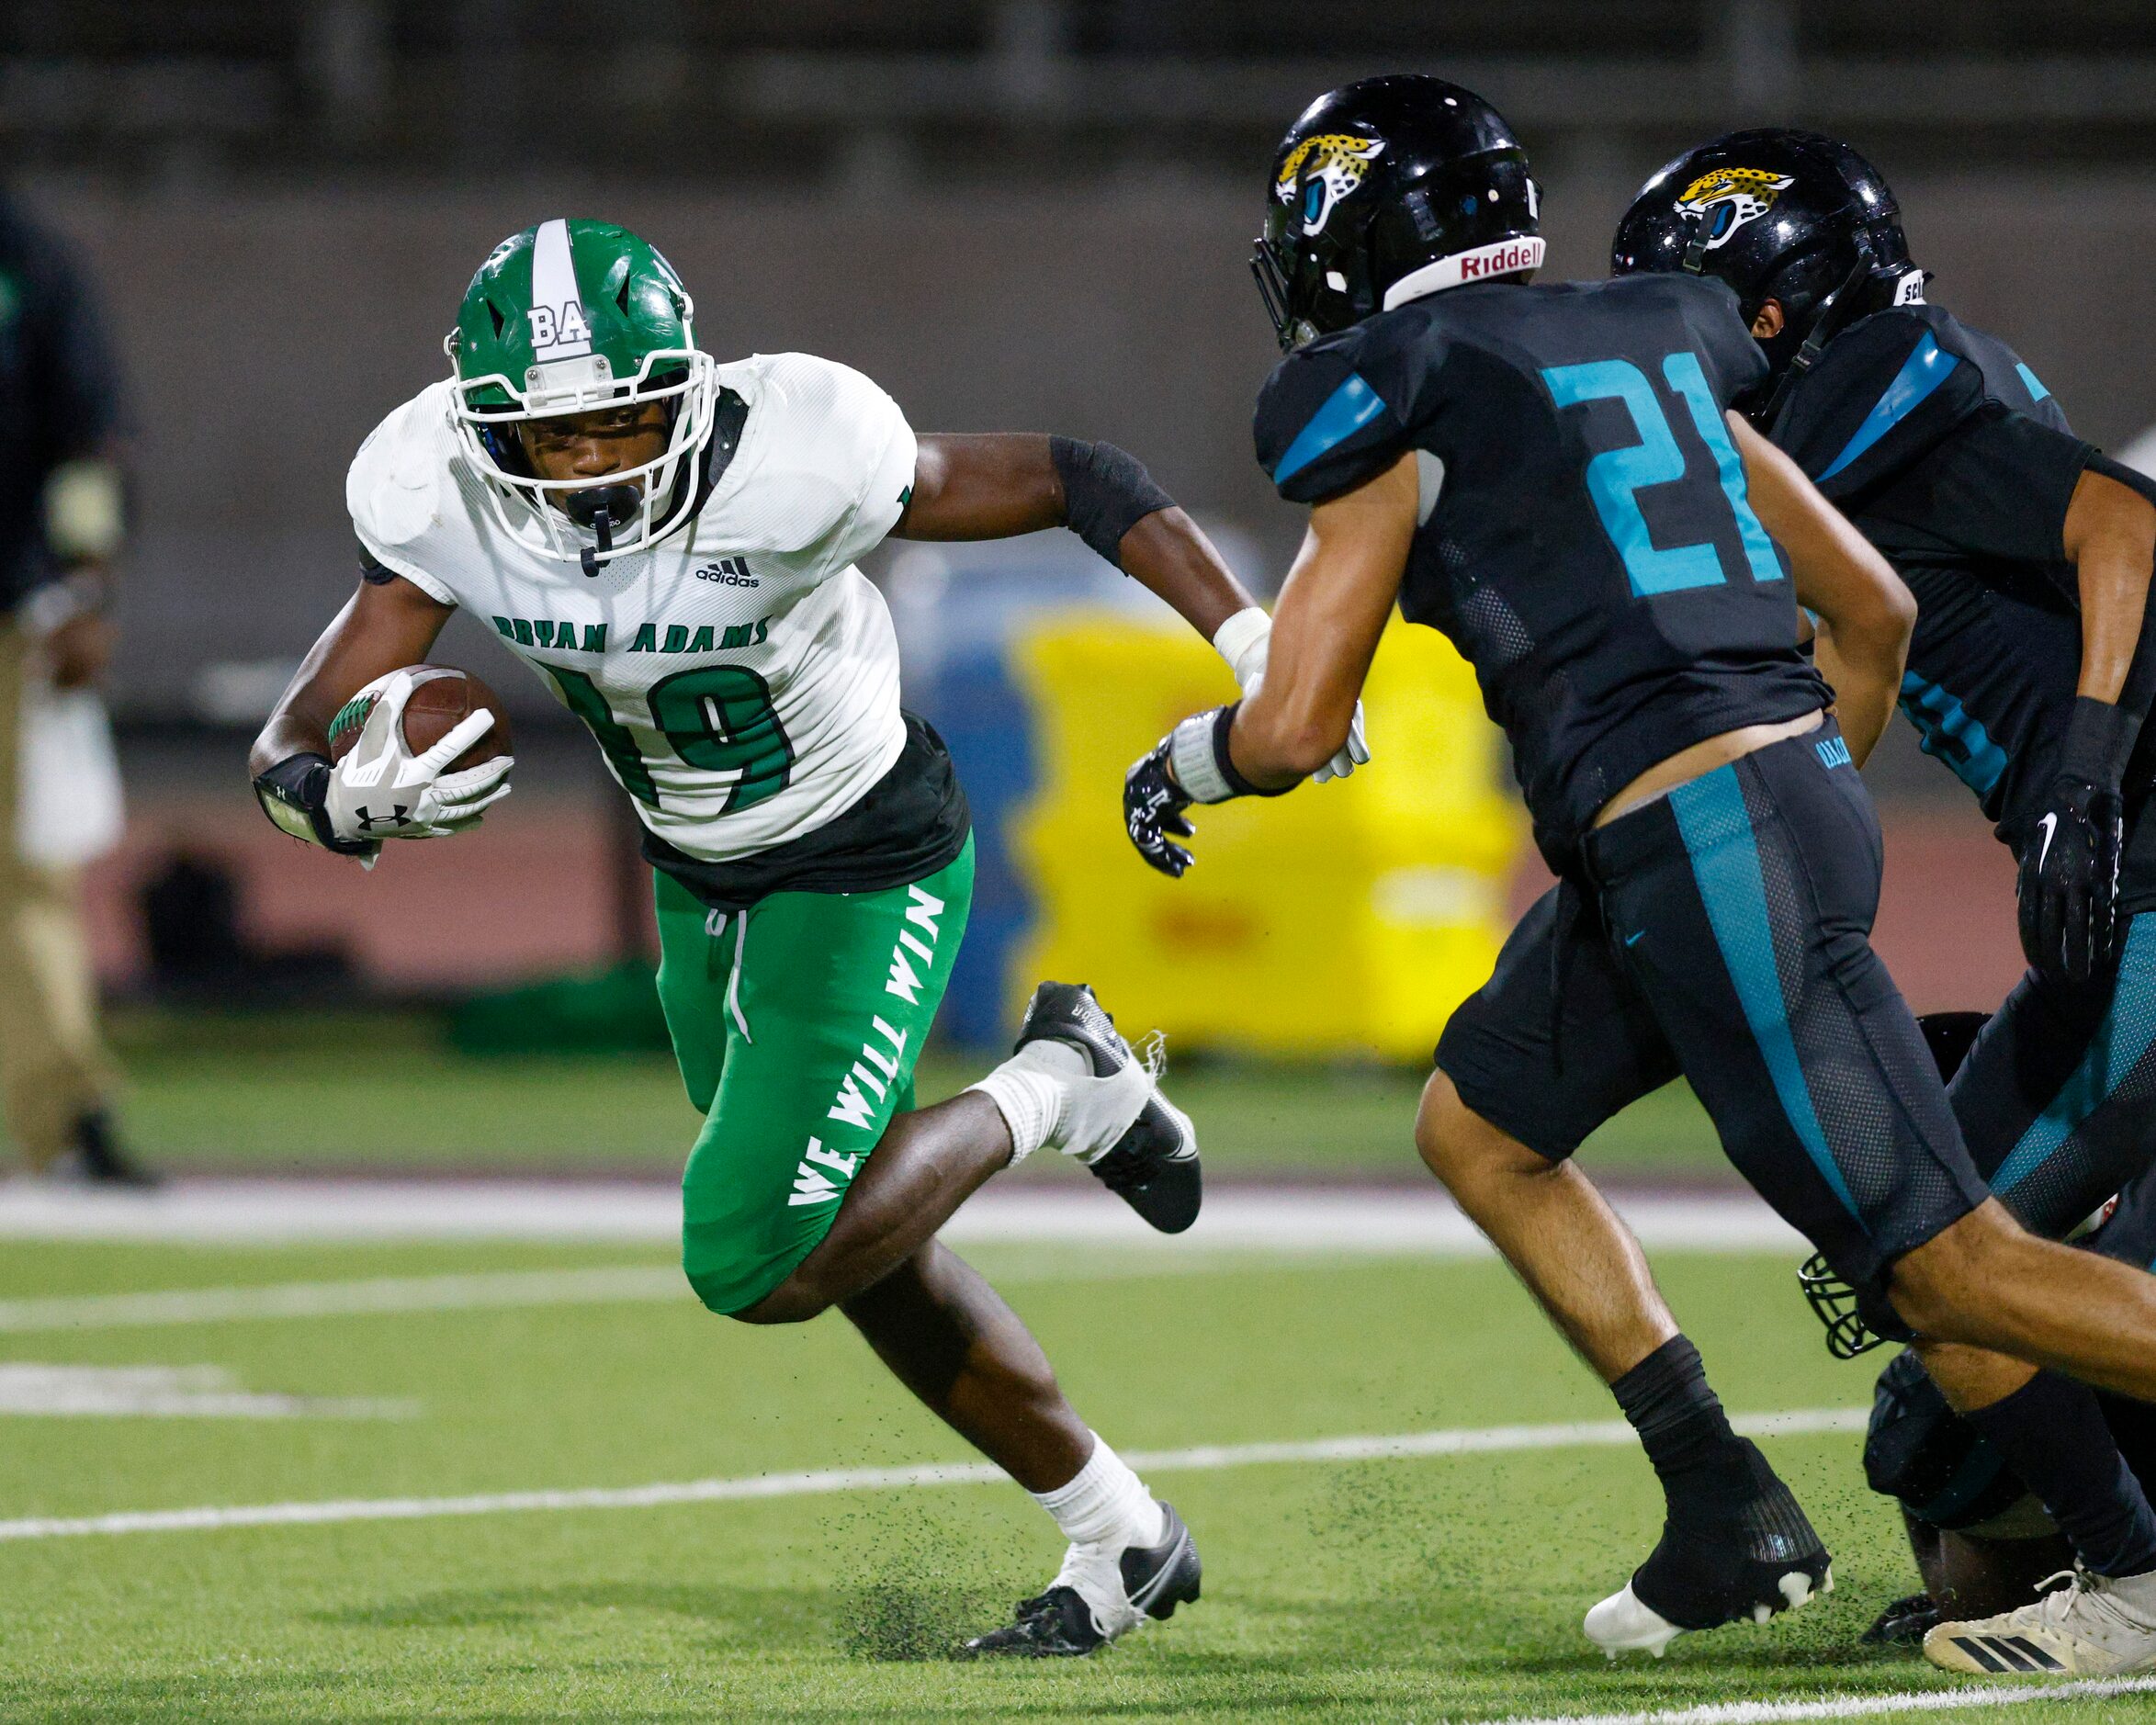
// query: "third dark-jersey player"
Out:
[2029,554]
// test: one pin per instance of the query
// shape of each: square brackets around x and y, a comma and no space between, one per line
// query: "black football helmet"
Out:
[1790,215]
[1384,180]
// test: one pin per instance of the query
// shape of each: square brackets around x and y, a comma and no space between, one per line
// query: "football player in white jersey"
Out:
[670,543]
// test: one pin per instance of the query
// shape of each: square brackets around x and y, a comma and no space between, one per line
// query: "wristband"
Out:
[1198,751]
[1243,640]
[2099,741]
[292,793]
[1106,493]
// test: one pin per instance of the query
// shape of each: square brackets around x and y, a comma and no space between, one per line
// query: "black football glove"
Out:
[2069,884]
[1153,807]
[1155,798]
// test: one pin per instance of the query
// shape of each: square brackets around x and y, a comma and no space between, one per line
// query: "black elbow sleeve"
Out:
[1106,493]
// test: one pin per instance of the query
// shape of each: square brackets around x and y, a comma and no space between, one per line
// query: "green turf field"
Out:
[1406,1589]
[269,1093]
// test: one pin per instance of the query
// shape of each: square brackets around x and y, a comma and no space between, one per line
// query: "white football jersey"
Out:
[741,676]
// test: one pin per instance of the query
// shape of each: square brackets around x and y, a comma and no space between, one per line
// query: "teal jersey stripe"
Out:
[2036,391]
[2125,1036]
[1922,372]
[1948,731]
[1717,830]
[1346,411]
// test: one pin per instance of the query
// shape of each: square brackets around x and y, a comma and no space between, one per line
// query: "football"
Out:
[442,697]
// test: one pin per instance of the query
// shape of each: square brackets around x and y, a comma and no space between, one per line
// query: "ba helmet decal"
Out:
[1729,198]
[1325,169]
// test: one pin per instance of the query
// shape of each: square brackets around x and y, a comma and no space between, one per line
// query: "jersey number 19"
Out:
[720,717]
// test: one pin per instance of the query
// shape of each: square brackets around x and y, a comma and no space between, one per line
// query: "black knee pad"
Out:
[1921,1453]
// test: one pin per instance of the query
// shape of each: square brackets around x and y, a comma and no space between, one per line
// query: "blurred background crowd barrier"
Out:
[1013,214]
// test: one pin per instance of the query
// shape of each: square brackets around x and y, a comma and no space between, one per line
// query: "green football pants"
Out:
[797,1023]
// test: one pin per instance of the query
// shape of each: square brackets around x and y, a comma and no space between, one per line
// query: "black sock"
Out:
[2053,1434]
[1679,1419]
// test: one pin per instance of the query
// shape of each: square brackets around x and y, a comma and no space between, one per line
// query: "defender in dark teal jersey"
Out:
[2029,555]
[1552,475]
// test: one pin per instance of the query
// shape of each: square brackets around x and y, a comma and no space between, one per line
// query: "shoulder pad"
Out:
[834,456]
[1882,394]
[1337,412]
[394,487]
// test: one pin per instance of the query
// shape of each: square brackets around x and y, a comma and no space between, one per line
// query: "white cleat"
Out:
[1624,1623]
[2093,1627]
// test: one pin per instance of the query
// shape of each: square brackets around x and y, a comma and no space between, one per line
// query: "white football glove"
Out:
[380,790]
[1245,640]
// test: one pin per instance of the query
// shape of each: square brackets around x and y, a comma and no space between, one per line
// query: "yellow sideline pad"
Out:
[1348,919]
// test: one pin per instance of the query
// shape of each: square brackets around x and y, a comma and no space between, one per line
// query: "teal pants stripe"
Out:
[1717,830]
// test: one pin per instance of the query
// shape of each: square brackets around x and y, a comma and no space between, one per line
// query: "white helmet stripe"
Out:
[559,328]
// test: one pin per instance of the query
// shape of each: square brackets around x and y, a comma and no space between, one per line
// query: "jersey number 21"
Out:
[1616,476]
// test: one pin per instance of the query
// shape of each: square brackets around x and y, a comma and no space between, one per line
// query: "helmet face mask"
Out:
[1385,180]
[574,317]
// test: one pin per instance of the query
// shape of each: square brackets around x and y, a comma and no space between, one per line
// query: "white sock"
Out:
[1105,1505]
[1030,1089]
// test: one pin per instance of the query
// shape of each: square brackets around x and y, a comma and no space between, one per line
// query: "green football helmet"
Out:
[575,317]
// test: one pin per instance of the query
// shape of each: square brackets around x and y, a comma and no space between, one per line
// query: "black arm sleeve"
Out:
[1106,493]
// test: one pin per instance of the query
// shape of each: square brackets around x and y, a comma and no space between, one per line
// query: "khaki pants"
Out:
[53,1067]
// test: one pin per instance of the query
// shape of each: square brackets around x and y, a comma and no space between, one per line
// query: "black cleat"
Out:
[99,1160]
[1153,1580]
[1153,1167]
[1904,1623]
[1749,1562]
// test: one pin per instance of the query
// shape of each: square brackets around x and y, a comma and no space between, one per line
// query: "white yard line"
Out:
[484,1291]
[1863,1706]
[481,1291]
[1327,1219]
[69,1392]
[1483,1441]
[1112,1243]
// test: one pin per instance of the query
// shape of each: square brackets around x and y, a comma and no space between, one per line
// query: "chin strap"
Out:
[596,509]
[603,531]
[1836,313]
[1695,259]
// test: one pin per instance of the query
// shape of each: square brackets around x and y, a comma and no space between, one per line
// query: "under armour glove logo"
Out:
[2068,885]
[400,814]
[1153,805]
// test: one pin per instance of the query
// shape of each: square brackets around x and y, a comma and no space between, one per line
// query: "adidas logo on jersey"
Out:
[729,571]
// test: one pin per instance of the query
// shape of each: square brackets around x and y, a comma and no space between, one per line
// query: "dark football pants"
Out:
[1734,944]
[2057,1098]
